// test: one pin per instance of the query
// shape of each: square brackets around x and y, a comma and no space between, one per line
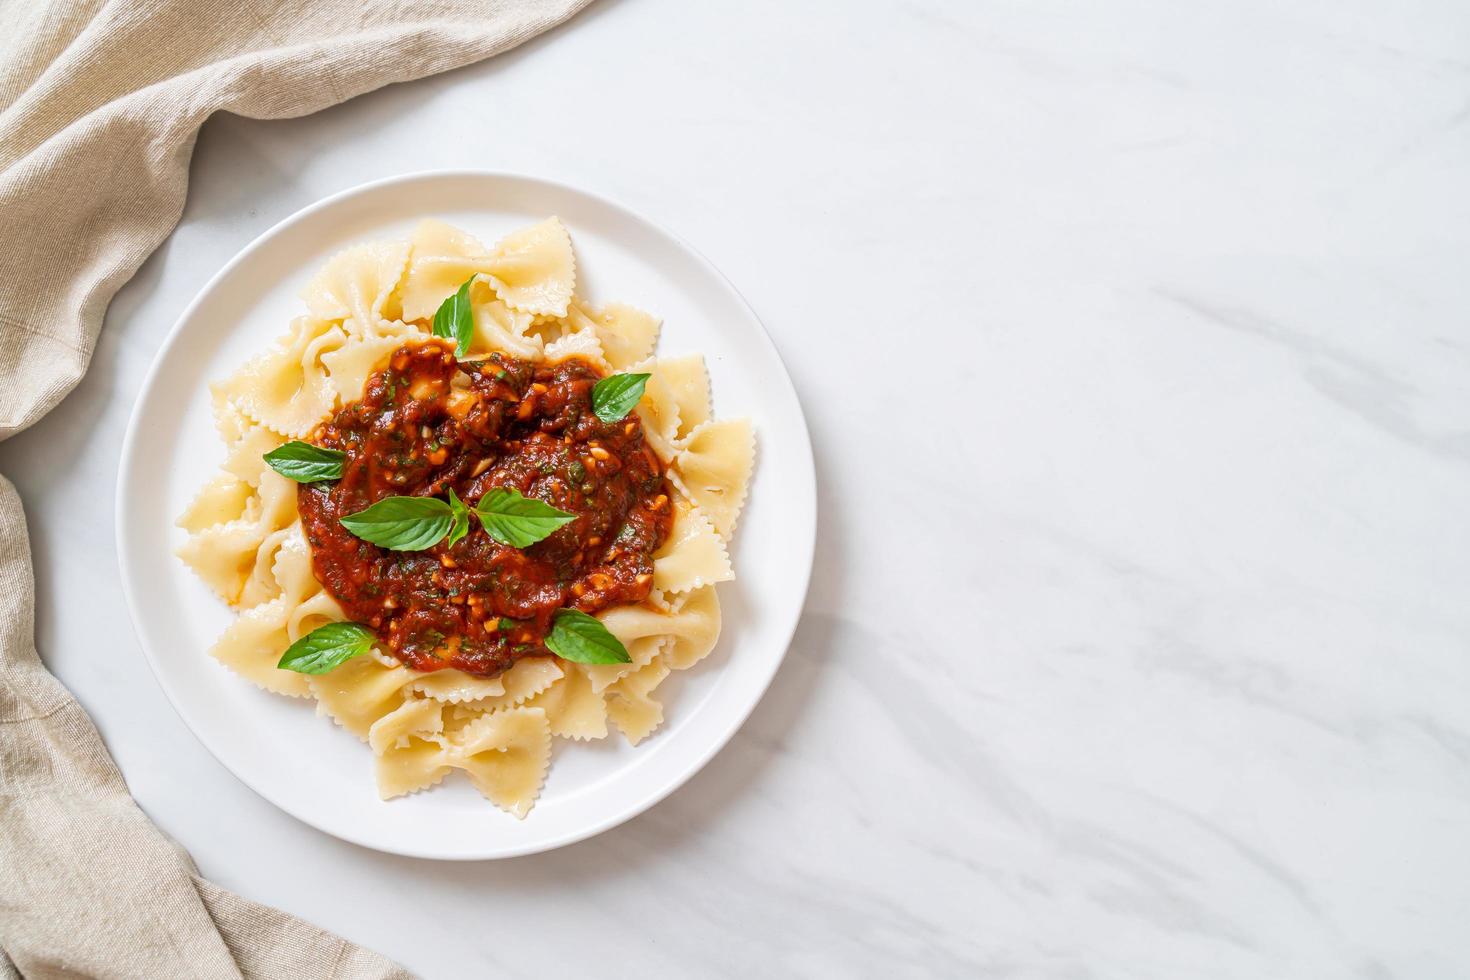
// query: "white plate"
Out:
[315,770]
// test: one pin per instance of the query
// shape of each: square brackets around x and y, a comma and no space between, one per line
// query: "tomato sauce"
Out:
[427,424]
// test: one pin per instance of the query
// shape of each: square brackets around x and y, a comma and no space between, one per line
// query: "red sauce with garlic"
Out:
[427,424]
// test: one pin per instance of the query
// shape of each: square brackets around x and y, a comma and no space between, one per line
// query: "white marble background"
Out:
[1133,339]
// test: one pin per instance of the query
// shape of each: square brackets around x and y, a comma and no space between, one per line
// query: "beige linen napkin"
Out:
[100,102]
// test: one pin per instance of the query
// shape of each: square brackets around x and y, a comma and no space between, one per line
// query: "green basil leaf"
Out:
[403,523]
[518,521]
[461,514]
[577,636]
[455,319]
[305,463]
[615,395]
[327,647]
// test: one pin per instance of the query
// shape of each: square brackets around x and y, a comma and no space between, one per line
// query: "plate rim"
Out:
[126,546]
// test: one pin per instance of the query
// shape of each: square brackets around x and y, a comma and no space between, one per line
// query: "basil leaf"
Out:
[615,395]
[327,647]
[518,521]
[403,523]
[577,636]
[305,463]
[461,515]
[455,319]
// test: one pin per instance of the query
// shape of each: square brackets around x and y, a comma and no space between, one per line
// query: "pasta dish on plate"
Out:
[467,511]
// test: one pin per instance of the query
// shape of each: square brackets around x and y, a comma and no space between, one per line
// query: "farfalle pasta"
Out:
[467,511]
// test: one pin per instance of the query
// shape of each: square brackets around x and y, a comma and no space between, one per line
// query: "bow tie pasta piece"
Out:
[441,258]
[222,500]
[252,646]
[584,345]
[691,626]
[713,469]
[675,400]
[573,709]
[626,334]
[358,284]
[692,555]
[229,421]
[261,584]
[244,459]
[292,567]
[687,381]
[680,635]
[224,555]
[630,703]
[505,755]
[500,328]
[410,747]
[694,628]
[359,692]
[534,270]
[277,497]
[418,764]
[687,631]
[640,652]
[417,717]
[282,567]
[287,388]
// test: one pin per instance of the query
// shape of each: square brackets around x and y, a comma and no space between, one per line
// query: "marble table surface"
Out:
[1133,339]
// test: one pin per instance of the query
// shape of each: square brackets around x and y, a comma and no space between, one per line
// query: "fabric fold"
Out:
[100,105]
